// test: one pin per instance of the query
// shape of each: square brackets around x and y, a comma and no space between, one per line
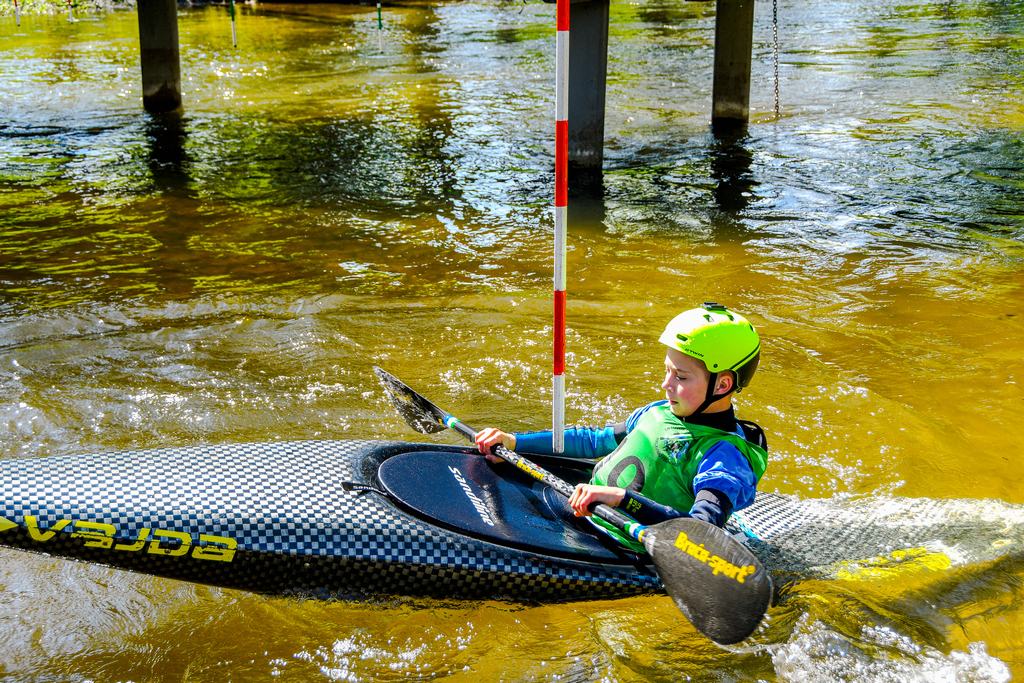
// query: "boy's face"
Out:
[685,384]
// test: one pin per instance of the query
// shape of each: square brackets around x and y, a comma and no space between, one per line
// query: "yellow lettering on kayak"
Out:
[102,535]
[221,548]
[139,544]
[37,534]
[184,543]
[97,534]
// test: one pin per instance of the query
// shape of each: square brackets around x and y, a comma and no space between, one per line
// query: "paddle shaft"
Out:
[605,512]
[716,582]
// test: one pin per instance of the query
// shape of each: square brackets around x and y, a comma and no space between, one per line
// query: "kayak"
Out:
[352,519]
[318,518]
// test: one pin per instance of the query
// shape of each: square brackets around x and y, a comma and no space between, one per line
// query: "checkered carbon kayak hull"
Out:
[276,518]
[284,518]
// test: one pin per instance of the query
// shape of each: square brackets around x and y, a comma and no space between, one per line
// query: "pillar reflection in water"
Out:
[730,162]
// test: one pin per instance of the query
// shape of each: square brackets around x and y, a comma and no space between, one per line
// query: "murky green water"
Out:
[337,197]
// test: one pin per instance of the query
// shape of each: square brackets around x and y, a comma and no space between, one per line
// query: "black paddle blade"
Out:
[714,580]
[418,412]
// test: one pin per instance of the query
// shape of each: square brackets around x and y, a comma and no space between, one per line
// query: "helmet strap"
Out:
[710,396]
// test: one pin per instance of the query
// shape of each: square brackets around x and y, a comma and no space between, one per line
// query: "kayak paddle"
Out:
[715,581]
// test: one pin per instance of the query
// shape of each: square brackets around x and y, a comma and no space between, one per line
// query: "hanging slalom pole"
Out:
[561,220]
[17,13]
[71,17]
[234,33]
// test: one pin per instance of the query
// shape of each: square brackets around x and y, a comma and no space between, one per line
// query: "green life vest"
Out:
[659,460]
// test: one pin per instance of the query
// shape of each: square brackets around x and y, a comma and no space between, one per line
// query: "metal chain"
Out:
[775,48]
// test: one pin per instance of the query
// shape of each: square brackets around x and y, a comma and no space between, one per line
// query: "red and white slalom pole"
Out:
[561,208]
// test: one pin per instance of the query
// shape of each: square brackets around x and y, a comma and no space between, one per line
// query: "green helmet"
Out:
[721,339]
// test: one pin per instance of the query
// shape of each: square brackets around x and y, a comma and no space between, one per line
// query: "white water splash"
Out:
[817,654]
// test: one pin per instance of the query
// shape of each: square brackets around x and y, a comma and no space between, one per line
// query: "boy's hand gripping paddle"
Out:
[714,580]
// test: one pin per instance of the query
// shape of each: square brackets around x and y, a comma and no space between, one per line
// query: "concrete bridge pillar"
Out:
[734,36]
[588,71]
[161,62]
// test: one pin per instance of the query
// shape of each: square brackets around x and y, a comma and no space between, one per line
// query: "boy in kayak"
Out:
[685,455]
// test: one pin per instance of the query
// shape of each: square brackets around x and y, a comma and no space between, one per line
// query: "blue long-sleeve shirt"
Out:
[724,468]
